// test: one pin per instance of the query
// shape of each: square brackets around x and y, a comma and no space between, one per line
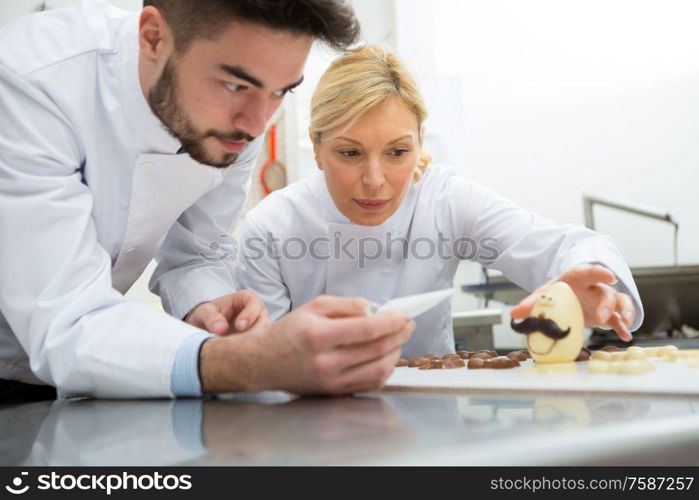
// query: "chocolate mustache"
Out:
[546,326]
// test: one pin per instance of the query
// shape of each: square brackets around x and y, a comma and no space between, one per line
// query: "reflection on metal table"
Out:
[373,429]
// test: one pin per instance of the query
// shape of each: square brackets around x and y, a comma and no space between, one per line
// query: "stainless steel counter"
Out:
[373,429]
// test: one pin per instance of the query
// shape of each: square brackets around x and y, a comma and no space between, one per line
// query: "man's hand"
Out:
[602,305]
[237,312]
[327,346]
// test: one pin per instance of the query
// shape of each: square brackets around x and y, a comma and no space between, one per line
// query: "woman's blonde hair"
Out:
[359,81]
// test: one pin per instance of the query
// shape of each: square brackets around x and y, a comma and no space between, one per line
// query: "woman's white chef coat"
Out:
[90,190]
[441,207]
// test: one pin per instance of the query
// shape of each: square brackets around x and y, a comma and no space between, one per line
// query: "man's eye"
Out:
[283,92]
[235,87]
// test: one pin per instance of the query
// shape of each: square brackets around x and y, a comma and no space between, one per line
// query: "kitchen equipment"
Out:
[670,296]
[273,172]
[634,208]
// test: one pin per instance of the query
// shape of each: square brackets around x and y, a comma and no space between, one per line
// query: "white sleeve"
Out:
[55,278]
[260,270]
[527,248]
[198,259]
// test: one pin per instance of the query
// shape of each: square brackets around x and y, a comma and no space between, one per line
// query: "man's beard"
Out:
[162,99]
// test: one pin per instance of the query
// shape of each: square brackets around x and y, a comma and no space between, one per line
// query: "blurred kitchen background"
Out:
[546,102]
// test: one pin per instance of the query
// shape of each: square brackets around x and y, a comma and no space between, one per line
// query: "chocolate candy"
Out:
[517,355]
[453,363]
[555,325]
[601,356]
[501,362]
[402,362]
[482,355]
[496,363]
[611,348]
[476,363]
[451,356]
[430,356]
[584,355]
[464,354]
[432,365]
[419,361]
[622,367]
[491,353]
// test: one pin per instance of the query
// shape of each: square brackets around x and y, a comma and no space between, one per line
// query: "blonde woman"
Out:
[379,221]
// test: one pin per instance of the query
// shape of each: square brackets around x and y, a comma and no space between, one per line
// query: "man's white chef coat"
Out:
[90,190]
[297,245]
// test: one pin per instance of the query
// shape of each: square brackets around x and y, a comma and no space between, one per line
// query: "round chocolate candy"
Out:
[453,363]
[432,365]
[501,363]
[491,353]
[481,355]
[450,356]
[584,355]
[517,355]
[476,363]
[611,348]
[418,361]
[464,354]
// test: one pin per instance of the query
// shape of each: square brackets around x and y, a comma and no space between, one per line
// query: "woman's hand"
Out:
[602,305]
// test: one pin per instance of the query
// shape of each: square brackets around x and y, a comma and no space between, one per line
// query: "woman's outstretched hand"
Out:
[602,305]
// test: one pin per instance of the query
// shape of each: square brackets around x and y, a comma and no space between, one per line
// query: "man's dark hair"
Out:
[331,21]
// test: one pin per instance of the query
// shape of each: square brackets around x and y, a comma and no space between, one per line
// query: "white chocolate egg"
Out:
[560,304]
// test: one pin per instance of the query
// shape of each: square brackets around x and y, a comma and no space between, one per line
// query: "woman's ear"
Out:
[421,137]
[315,149]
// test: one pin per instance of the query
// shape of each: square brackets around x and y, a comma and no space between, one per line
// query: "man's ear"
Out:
[315,149]
[155,37]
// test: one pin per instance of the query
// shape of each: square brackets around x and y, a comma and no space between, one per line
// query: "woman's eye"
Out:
[398,152]
[350,153]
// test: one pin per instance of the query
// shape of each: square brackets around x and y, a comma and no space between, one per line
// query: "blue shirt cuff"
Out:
[184,380]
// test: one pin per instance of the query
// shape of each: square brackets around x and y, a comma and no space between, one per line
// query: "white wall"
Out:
[12,9]
[558,99]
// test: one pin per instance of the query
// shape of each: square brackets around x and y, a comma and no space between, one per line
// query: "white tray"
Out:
[669,378]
